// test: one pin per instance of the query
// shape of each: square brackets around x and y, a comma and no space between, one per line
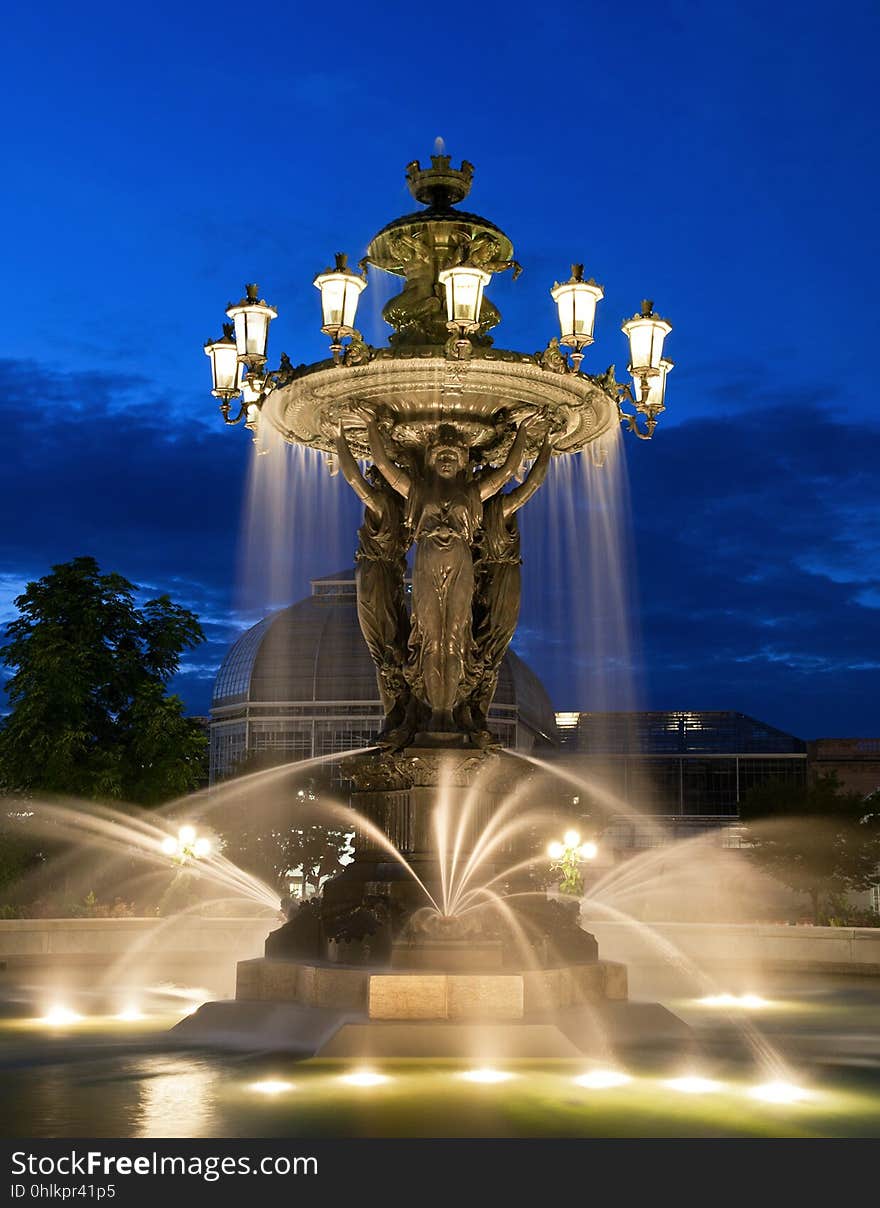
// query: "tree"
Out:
[274,854]
[284,829]
[90,713]
[816,838]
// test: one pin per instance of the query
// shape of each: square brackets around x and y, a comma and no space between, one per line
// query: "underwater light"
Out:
[58,1015]
[779,1092]
[751,1002]
[271,1086]
[486,1075]
[364,1078]
[692,1085]
[600,1080]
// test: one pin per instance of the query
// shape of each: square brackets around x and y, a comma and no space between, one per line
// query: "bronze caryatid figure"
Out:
[498,588]
[383,541]
[437,672]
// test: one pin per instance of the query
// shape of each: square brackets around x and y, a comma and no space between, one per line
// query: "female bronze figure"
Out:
[383,541]
[444,510]
[498,589]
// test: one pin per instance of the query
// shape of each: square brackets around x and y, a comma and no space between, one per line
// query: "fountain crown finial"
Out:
[439,186]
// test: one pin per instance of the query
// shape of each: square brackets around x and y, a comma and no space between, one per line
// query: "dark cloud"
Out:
[758,559]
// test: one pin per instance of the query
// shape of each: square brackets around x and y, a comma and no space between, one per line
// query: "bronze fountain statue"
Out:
[446,420]
[443,663]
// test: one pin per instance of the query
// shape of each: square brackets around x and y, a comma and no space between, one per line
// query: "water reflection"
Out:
[175,1098]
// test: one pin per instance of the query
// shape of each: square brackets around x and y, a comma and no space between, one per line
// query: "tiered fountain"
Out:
[448,421]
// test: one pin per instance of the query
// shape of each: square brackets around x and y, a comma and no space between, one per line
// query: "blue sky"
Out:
[720,159]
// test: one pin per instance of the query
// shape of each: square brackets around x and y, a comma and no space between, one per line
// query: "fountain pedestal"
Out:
[447,954]
[400,793]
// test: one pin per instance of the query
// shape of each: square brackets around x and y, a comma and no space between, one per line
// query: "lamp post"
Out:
[463,287]
[648,368]
[186,845]
[567,857]
[341,289]
[225,376]
[576,302]
[251,318]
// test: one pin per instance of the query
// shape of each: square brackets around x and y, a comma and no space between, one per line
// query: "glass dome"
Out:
[301,683]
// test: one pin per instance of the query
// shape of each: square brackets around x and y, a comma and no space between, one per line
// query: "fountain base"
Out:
[612,1026]
[452,995]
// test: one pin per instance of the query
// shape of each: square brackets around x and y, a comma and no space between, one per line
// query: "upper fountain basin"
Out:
[485,396]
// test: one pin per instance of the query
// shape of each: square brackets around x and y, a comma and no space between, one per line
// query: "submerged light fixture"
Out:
[364,1078]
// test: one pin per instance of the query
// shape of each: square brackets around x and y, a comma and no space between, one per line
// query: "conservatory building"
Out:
[301,683]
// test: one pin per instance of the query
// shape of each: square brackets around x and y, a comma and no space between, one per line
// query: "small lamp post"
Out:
[646,333]
[224,366]
[341,289]
[567,858]
[188,845]
[251,317]
[576,302]
[464,287]
[649,369]
[653,390]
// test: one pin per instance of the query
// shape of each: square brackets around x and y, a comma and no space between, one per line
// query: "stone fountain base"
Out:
[413,994]
[326,1010]
[354,1011]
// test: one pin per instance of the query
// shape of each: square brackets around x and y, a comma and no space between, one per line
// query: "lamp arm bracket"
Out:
[632,421]
[225,409]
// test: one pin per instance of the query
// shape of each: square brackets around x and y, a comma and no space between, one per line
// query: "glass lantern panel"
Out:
[353,287]
[257,333]
[646,338]
[585,300]
[240,321]
[333,300]
[565,305]
[224,363]
[467,289]
[249,393]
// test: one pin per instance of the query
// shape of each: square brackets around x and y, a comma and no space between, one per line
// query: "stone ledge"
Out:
[389,995]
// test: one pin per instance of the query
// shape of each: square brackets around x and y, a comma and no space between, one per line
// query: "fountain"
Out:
[435,919]
[440,939]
